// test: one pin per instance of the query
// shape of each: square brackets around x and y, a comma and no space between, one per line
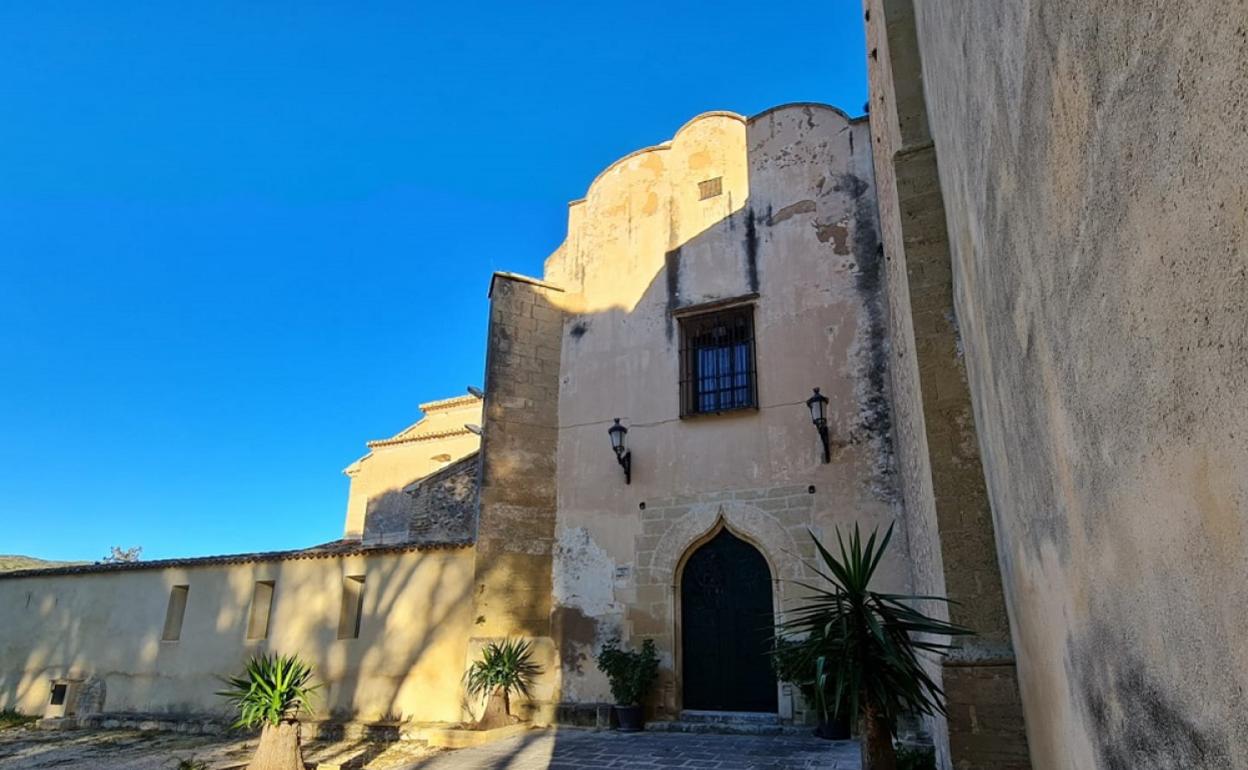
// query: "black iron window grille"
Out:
[717,371]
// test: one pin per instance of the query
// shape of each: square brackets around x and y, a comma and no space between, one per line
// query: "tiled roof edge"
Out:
[339,548]
[418,437]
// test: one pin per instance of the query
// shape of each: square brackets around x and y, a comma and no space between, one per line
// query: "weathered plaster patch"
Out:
[793,209]
[585,609]
[584,573]
[837,232]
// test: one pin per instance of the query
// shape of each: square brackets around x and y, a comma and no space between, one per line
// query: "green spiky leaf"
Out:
[860,647]
[272,689]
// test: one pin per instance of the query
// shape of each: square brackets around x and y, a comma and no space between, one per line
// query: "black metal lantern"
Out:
[619,444]
[818,405]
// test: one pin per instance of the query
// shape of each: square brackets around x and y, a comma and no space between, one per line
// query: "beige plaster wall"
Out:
[948,517]
[1094,168]
[432,443]
[795,224]
[407,661]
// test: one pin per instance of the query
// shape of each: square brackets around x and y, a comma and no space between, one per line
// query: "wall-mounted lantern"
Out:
[818,404]
[619,444]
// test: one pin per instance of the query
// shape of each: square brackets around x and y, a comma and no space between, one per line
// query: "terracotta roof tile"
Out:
[323,551]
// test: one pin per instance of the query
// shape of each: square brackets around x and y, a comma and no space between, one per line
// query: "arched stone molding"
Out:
[764,531]
[774,521]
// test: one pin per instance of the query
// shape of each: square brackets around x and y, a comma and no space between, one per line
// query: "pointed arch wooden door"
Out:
[726,627]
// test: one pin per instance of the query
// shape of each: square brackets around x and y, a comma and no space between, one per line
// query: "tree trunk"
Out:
[278,749]
[877,741]
[496,711]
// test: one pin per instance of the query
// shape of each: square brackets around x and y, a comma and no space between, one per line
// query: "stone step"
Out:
[727,728]
[730,717]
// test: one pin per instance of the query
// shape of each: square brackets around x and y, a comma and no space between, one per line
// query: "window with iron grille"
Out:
[717,362]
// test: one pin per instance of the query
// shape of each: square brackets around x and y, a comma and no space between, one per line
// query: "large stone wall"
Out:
[948,517]
[377,500]
[1094,170]
[516,520]
[789,229]
[106,628]
[441,507]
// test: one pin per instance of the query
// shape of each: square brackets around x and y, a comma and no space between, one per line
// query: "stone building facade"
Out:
[1032,342]
[771,218]
[705,287]
[1062,196]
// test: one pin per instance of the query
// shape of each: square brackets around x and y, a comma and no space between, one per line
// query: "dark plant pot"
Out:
[836,730]
[631,718]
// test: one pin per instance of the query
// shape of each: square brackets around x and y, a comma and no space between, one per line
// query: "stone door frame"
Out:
[679,530]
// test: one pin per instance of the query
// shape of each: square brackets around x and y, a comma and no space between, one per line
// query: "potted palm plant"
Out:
[866,645]
[271,693]
[631,673]
[505,668]
[793,662]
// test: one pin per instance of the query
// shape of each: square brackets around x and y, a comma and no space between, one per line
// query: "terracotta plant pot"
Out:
[631,718]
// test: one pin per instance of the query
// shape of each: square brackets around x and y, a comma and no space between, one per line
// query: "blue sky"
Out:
[237,240]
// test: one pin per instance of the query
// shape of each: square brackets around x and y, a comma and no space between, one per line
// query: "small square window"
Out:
[261,608]
[710,188]
[717,372]
[174,613]
[352,607]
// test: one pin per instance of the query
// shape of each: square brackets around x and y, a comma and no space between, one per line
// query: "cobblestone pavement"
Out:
[25,749]
[568,749]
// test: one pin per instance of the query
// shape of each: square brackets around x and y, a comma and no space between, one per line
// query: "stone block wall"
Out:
[516,520]
[444,506]
[776,520]
[986,715]
[441,507]
[949,520]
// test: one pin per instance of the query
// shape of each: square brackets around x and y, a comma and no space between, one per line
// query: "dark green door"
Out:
[726,627]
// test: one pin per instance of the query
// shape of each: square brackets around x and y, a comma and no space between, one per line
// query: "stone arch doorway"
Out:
[727,617]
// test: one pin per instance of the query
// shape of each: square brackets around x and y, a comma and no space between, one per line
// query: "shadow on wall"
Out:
[372,676]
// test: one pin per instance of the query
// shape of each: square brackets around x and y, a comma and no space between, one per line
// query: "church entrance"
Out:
[726,628]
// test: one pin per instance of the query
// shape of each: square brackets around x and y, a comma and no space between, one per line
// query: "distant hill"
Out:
[11,563]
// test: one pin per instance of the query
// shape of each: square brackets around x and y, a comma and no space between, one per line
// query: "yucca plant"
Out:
[505,668]
[866,645]
[271,693]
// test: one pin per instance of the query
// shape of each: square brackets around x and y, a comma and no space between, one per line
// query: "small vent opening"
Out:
[710,188]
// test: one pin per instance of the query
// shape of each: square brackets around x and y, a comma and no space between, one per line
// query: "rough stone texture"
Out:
[379,478]
[516,523]
[444,505]
[948,517]
[441,507]
[1094,168]
[986,716]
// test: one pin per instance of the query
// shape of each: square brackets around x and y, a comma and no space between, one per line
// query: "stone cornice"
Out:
[384,442]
